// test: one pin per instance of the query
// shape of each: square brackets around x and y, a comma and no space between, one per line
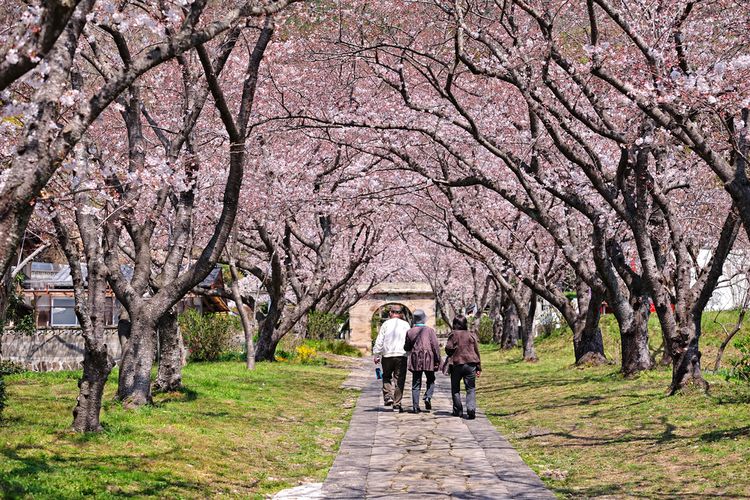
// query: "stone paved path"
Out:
[426,455]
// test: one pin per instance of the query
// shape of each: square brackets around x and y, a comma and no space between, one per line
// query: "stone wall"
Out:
[360,316]
[51,350]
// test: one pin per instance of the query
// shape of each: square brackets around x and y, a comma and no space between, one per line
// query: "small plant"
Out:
[485,330]
[26,324]
[282,356]
[10,368]
[340,347]
[208,336]
[741,367]
[547,324]
[306,354]
[18,314]
[322,325]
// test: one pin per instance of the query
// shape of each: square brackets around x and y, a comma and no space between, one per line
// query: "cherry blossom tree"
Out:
[44,91]
[524,54]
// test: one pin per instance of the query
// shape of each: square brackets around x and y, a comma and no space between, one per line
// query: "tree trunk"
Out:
[268,338]
[527,332]
[247,326]
[134,385]
[267,342]
[13,221]
[123,330]
[245,317]
[633,323]
[497,331]
[6,283]
[497,320]
[686,368]
[666,357]
[527,338]
[510,334]
[587,336]
[497,328]
[97,365]
[171,353]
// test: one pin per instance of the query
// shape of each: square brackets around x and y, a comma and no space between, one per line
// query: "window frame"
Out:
[52,321]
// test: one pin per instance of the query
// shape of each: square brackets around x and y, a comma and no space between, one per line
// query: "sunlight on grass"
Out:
[588,432]
[230,432]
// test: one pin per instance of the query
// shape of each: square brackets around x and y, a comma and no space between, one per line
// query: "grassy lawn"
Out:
[231,432]
[590,433]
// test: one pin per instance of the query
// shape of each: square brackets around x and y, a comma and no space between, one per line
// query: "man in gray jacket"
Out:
[389,350]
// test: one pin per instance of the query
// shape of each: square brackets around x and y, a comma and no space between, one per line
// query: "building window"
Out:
[42,311]
[63,312]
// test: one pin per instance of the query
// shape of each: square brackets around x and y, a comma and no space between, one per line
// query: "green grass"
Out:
[230,432]
[589,433]
[340,347]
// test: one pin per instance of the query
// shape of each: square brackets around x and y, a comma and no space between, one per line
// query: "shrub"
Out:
[322,325]
[208,336]
[17,313]
[741,367]
[306,354]
[485,332]
[339,347]
[10,368]
[26,324]
[282,355]
[547,323]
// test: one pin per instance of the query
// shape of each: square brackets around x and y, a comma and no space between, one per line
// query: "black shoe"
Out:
[471,414]
[389,402]
[397,408]
[427,404]
[456,413]
[415,410]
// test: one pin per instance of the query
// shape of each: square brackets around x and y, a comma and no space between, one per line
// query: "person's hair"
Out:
[460,323]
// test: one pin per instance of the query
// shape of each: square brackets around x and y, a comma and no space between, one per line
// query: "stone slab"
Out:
[425,455]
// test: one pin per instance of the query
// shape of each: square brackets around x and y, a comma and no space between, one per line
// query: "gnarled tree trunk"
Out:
[587,336]
[686,368]
[134,384]
[90,311]
[633,322]
[268,339]
[510,334]
[245,316]
[6,282]
[171,353]
[267,343]
[527,332]
[97,365]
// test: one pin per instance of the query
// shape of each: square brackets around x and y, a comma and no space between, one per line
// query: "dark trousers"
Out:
[467,373]
[394,371]
[416,386]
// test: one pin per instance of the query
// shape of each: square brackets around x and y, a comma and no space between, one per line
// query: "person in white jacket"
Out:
[389,349]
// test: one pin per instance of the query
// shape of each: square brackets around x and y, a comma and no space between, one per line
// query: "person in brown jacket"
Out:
[463,348]
[423,354]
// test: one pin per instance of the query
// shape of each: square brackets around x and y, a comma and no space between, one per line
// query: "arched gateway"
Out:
[413,295]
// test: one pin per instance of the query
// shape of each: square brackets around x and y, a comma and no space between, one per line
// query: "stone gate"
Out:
[412,295]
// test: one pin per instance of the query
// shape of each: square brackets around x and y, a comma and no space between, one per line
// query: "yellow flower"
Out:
[306,354]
